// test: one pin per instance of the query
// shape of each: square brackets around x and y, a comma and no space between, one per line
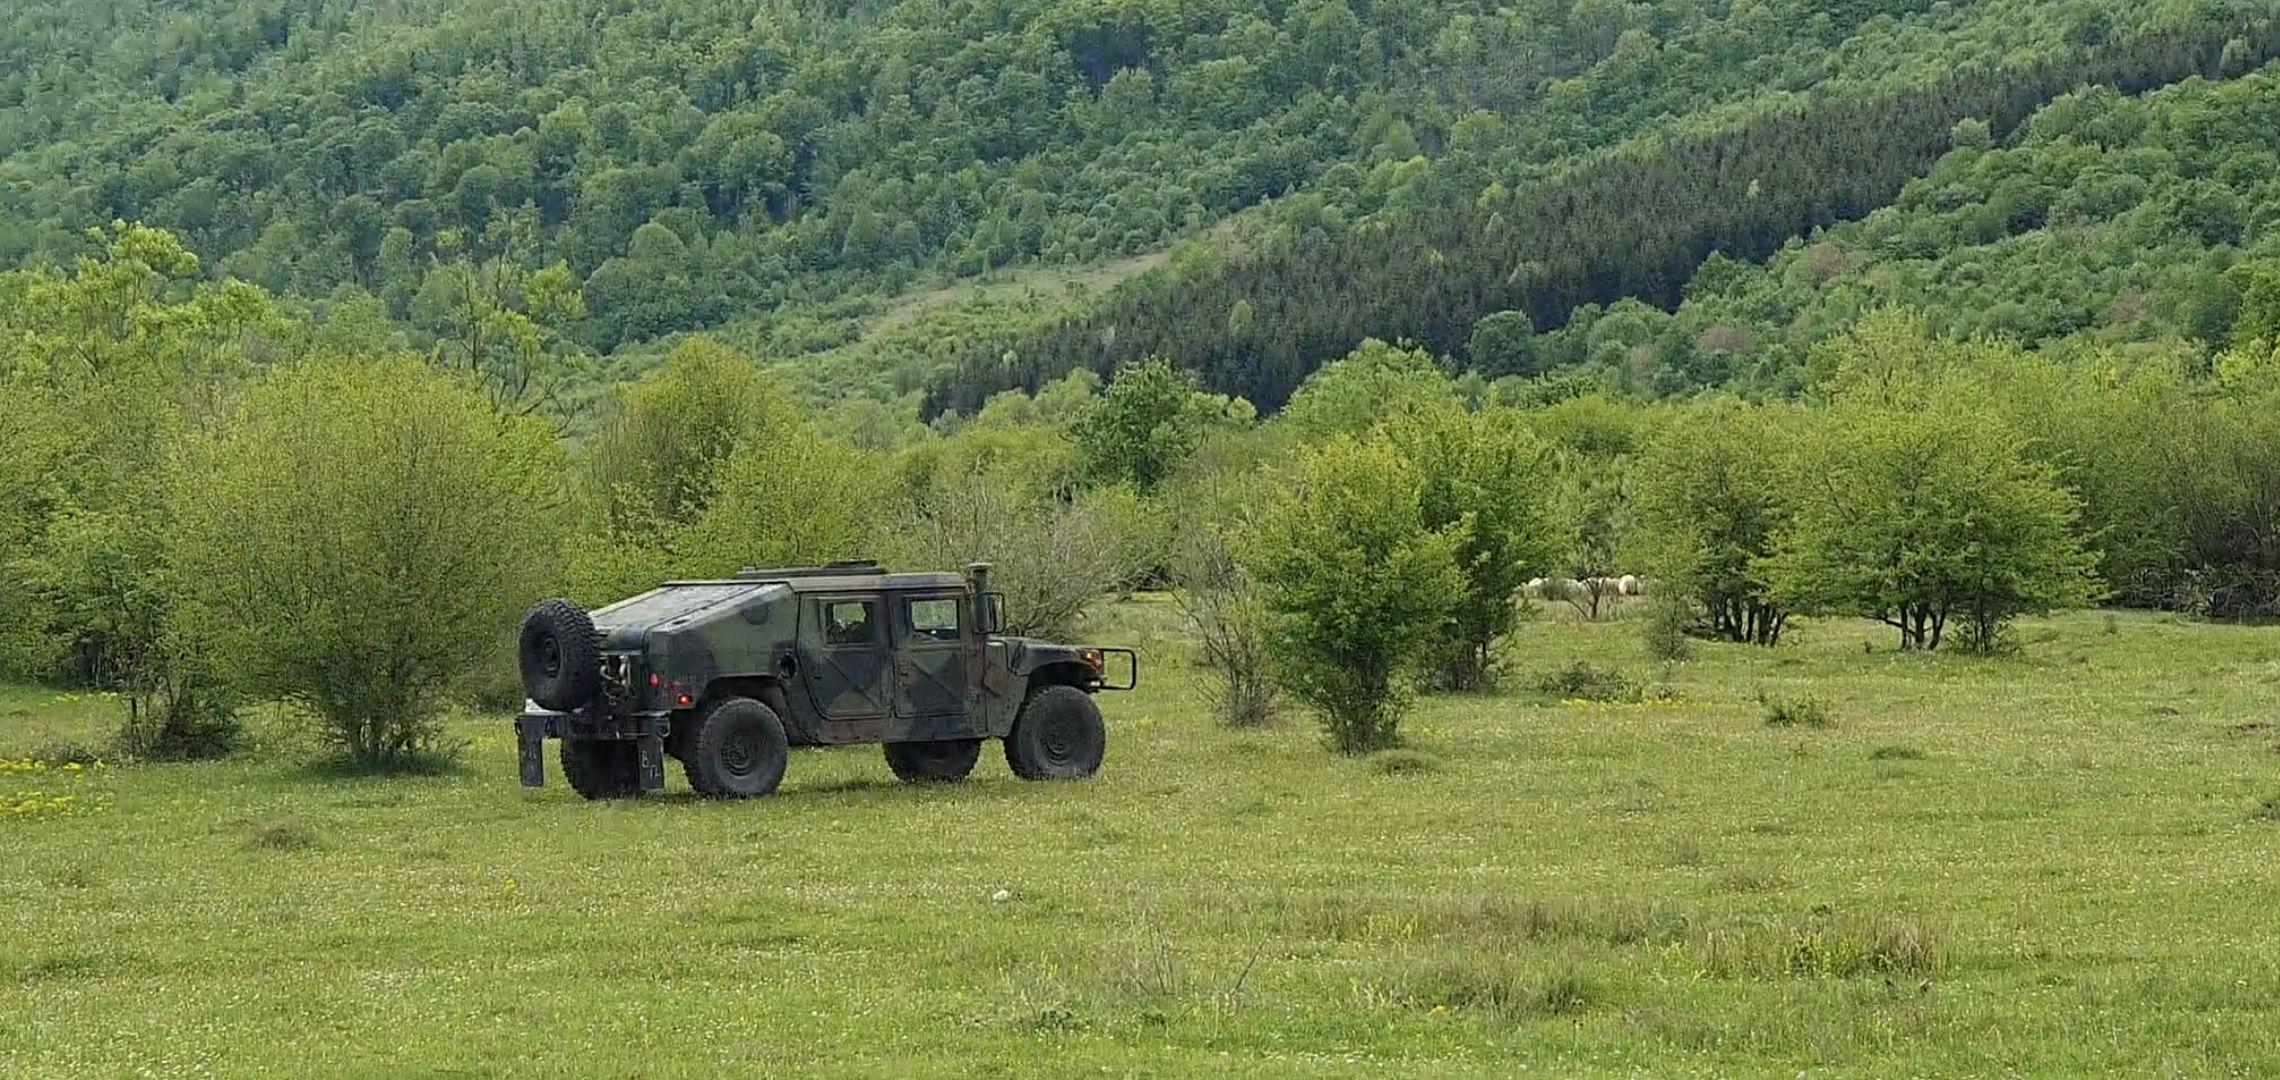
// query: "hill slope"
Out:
[703,161]
[1633,222]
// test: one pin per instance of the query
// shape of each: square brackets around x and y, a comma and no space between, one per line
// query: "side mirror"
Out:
[993,618]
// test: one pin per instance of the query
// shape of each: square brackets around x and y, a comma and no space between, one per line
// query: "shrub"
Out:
[1806,711]
[1223,609]
[1358,585]
[1663,633]
[1927,508]
[1581,681]
[356,538]
[1485,471]
[1051,557]
[1712,493]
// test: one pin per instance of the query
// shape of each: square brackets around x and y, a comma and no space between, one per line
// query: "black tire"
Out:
[561,656]
[602,768]
[739,750]
[1058,736]
[945,762]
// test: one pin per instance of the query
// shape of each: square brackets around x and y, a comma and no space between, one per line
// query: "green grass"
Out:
[2065,867]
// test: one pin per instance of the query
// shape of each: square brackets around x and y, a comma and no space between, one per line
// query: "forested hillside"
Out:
[786,167]
[2108,219]
[1633,222]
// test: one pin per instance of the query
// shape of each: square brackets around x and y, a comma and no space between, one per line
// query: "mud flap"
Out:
[652,764]
[530,734]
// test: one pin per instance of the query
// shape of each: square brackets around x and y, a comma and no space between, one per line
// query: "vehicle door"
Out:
[935,661]
[844,655]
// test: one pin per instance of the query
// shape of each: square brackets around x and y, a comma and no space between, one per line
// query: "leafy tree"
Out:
[1712,490]
[357,536]
[1373,382]
[1147,422]
[1504,343]
[1923,515]
[1489,481]
[1594,513]
[506,327]
[1358,585]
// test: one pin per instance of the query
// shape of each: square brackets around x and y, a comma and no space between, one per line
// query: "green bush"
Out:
[1583,681]
[1358,584]
[1804,711]
[357,537]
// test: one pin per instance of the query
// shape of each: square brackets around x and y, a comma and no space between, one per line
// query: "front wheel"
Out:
[738,751]
[1058,736]
[602,768]
[942,762]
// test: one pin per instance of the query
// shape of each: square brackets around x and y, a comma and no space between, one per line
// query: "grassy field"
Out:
[2059,862]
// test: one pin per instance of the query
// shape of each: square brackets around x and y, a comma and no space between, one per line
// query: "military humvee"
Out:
[725,675]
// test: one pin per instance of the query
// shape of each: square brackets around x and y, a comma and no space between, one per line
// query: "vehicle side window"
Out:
[847,622]
[935,620]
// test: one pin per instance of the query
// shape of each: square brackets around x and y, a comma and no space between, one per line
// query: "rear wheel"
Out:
[1058,736]
[942,762]
[738,751]
[602,768]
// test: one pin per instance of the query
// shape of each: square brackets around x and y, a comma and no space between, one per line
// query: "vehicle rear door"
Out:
[935,661]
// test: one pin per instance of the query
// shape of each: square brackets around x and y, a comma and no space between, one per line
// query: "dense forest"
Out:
[783,171]
[1633,223]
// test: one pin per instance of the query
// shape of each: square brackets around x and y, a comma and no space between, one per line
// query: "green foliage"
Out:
[1486,479]
[1053,558]
[1804,711]
[1223,610]
[1585,681]
[1426,248]
[1915,515]
[356,536]
[1592,511]
[1359,584]
[705,467]
[1504,343]
[1144,426]
[1712,491]
[2106,218]
[1355,393]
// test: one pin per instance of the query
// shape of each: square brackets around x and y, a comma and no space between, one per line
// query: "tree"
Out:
[1712,491]
[1359,587]
[1922,515]
[1222,607]
[1147,422]
[1373,382]
[1504,343]
[1053,557]
[1488,480]
[354,536]
[505,327]
[1594,513]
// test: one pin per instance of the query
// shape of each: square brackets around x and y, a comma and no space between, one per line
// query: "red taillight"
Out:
[654,680]
[685,701]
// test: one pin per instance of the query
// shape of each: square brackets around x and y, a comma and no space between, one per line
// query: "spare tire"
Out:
[561,656]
